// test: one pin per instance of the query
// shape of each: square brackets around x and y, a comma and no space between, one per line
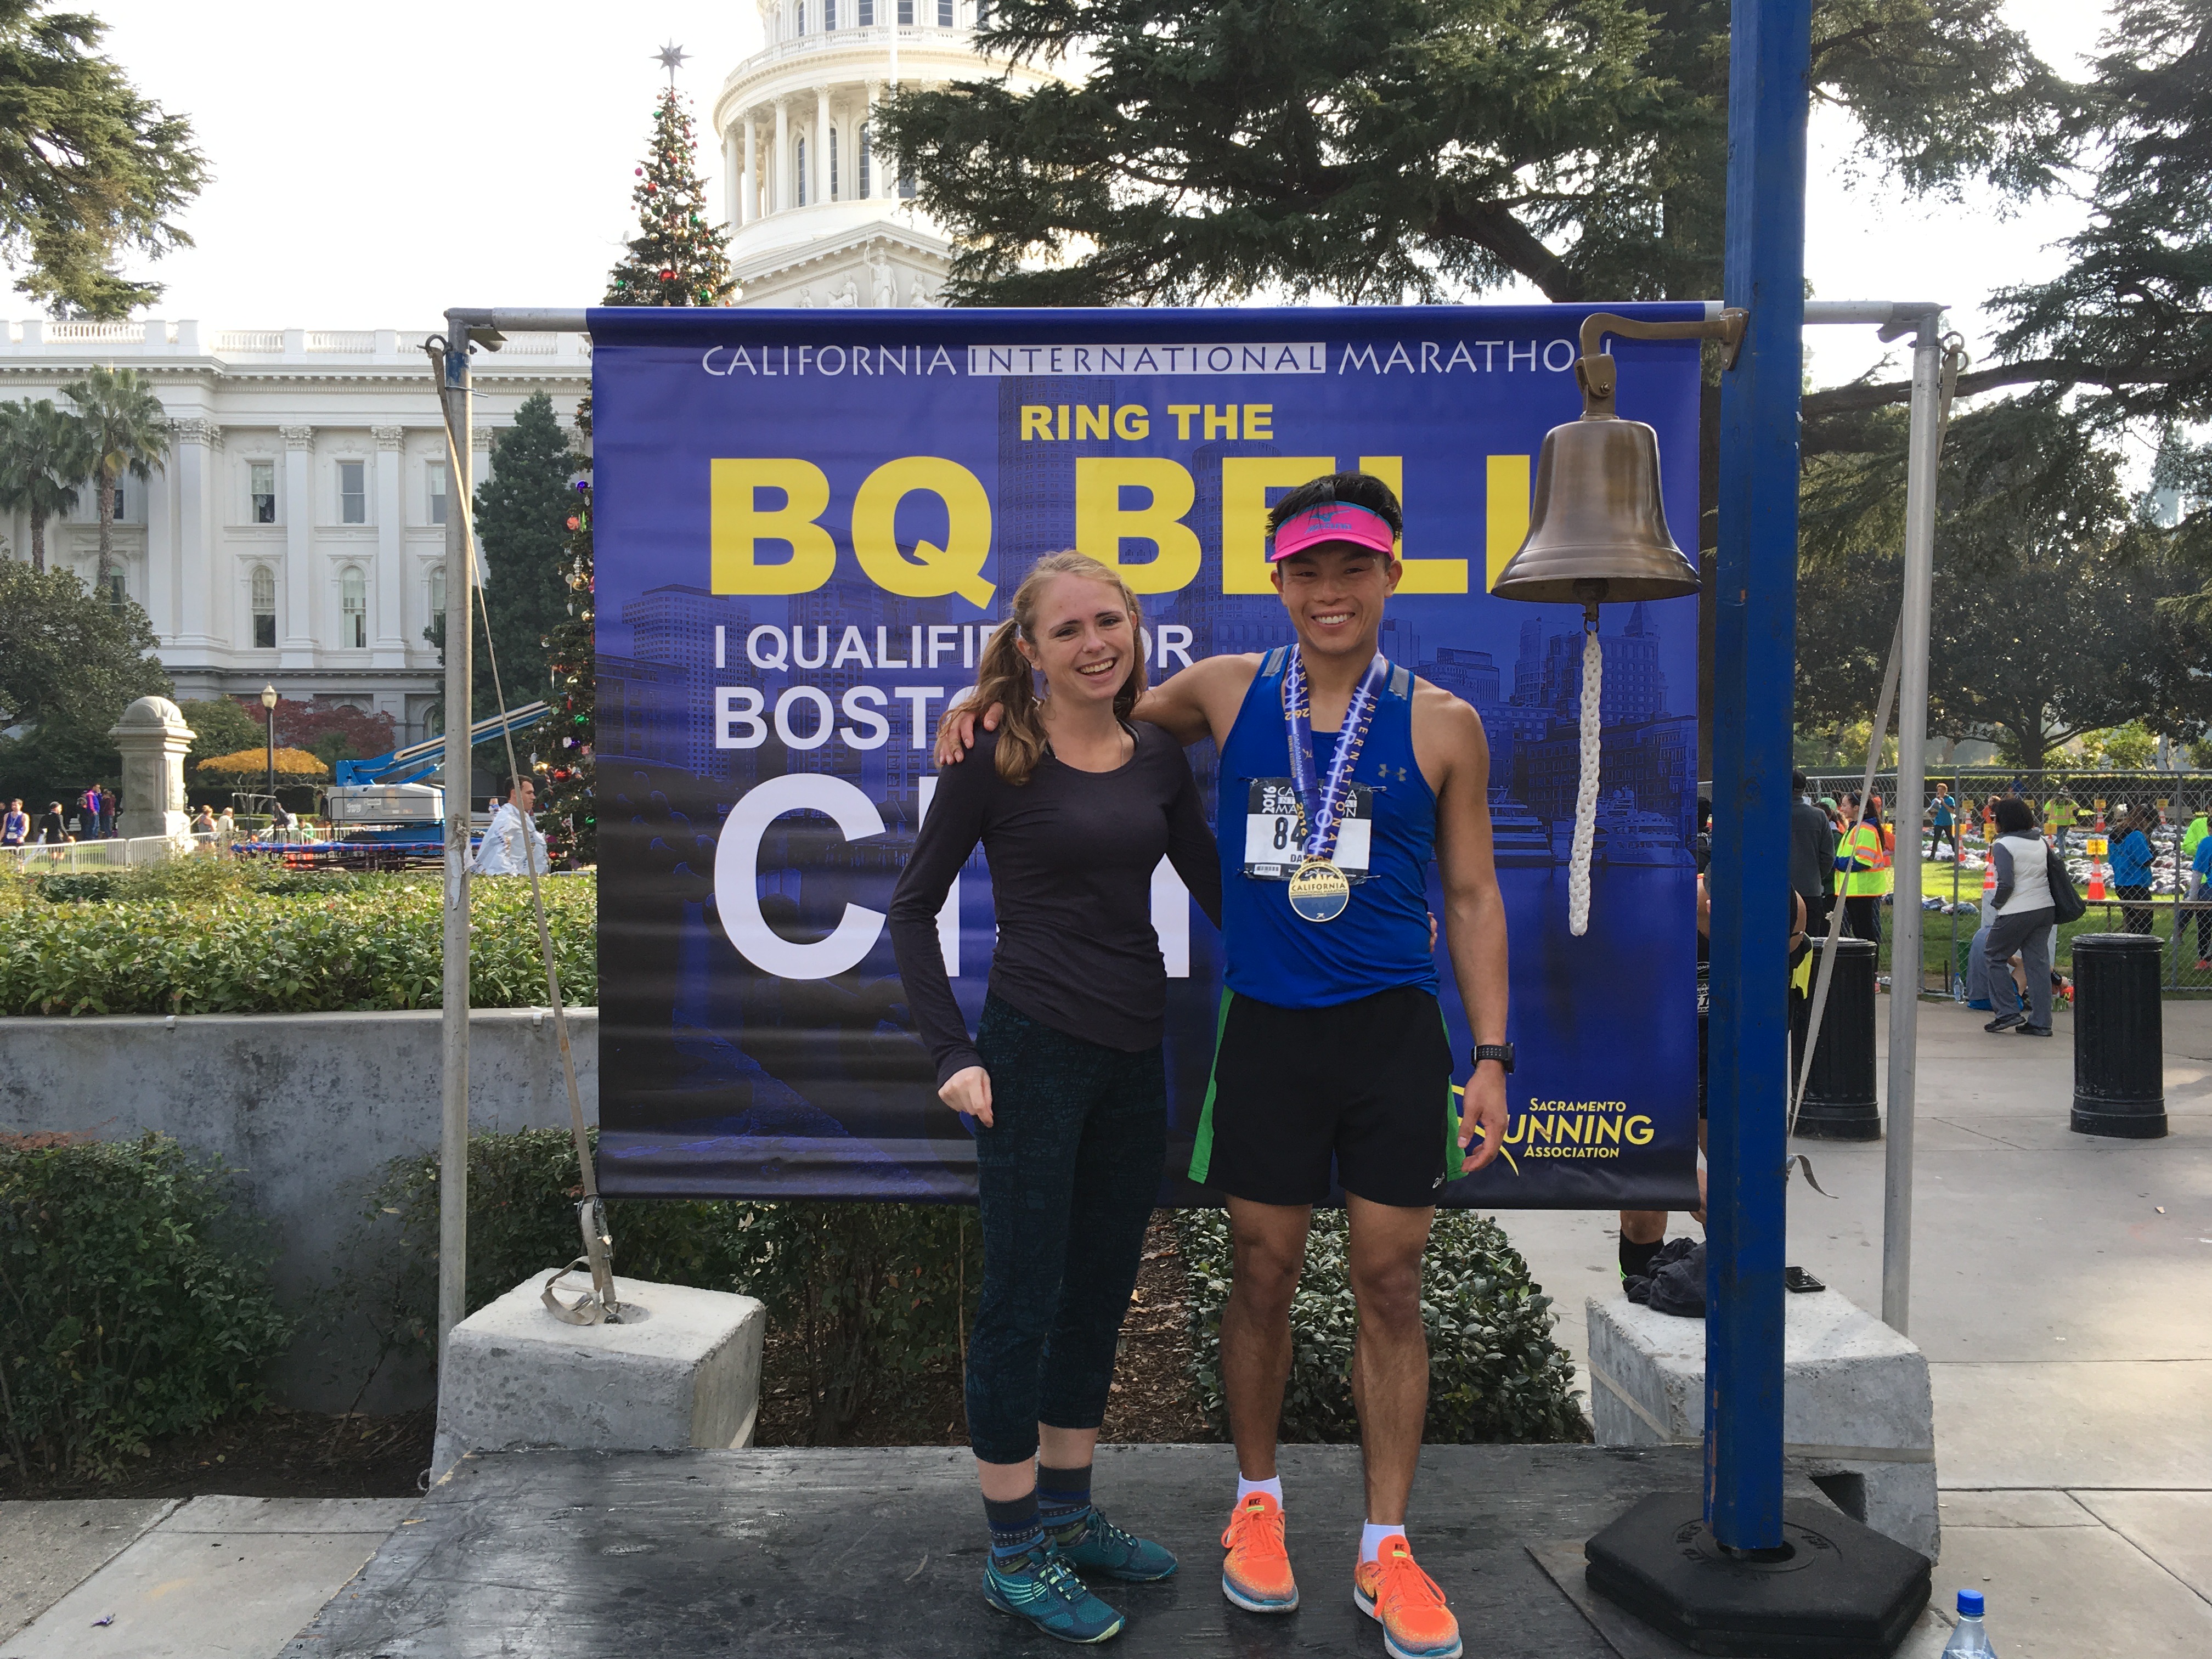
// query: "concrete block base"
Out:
[682,1369]
[1857,1415]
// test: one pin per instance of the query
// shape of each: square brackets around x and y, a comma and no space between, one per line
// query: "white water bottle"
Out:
[1970,1640]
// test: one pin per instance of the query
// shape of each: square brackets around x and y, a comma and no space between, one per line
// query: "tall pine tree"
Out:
[520,513]
[678,257]
[566,812]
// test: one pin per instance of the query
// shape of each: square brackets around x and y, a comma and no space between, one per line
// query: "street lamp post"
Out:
[269,703]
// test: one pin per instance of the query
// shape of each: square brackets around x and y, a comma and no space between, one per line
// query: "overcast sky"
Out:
[372,168]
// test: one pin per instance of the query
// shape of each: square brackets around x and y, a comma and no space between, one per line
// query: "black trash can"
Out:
[2119,1036]
[1839,1101]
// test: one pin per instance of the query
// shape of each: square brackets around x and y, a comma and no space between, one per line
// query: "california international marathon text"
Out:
[1499,357]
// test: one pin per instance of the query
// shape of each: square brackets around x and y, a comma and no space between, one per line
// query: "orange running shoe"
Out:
[1406,1602]
[1256,1573]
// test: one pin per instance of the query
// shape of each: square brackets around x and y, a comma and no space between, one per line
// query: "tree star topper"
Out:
[672,58]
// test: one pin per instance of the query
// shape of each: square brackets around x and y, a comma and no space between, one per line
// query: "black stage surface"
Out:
[879,1552]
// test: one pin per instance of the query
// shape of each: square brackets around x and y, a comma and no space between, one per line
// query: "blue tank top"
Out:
[1380,942]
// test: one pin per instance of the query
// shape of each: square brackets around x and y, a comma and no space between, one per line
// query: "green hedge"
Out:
[1495,1375]
[872,1295]
[355,943]
[134,1306]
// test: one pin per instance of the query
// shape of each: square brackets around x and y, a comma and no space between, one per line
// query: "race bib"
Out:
[1275,830]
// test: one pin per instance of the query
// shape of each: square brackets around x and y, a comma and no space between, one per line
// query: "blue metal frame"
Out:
[1754,638]
[418,760]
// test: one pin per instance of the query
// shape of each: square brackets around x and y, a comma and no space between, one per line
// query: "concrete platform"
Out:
[233,1576]
[877,1554]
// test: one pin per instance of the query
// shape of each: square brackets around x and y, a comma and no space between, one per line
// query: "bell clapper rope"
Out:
[597,1305]
[1578,862]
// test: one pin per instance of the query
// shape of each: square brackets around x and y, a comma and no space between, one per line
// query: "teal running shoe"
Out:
[1094,1544]
[1043,1589]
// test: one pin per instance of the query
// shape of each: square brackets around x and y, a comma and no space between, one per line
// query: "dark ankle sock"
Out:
[1063,1496]
[1635,1259]
[1015,1530]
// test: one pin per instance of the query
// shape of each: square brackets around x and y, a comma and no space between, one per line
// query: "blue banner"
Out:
[806,522]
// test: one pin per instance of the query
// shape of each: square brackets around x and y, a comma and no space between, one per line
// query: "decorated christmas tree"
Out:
[678,257]
[565,812]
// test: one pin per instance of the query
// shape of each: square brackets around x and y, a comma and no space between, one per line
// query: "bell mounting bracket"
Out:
[1596,374]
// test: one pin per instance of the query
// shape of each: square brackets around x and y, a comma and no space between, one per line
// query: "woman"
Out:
[51,830]
[2024,916]
[1074,807]
[1863,857]
[2131,867]
[203,820]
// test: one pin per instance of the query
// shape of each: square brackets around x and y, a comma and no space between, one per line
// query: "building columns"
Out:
[161,555]
[821,156]
[388,634]
[749,190]
[780,163]
[731,185]
[192,459]
[296,642]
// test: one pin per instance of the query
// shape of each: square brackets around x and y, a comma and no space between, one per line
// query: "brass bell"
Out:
[1597,527]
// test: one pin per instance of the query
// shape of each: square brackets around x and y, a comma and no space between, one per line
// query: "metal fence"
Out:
[69,858]
[2174,905]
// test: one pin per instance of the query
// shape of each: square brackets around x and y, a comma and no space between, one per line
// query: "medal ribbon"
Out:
[1321,808]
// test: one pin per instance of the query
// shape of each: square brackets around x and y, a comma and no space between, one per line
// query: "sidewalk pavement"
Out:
[2059,1292]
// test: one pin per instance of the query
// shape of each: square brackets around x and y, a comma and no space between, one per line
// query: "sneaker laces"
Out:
[1250,1518]
[1404,1581]
[1096,1525]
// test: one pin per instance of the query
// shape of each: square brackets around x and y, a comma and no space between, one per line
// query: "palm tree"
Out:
[126,430]
[44,456]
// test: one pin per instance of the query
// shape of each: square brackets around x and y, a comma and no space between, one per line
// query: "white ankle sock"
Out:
[1372,1535]
[1273,1486]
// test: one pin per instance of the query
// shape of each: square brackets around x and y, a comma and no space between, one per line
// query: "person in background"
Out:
[2024,913]
[1943,817]
[2131,867]
[2193,836]
[1812,856]
[512,844]
[203,820]
[2200,873]
[2059,813]
[1863,857]
[14,825]
[52,831]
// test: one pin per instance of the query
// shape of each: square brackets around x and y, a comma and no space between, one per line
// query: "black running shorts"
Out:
[1365,1085]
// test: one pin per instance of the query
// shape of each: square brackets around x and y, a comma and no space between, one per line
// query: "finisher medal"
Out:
[1319,890]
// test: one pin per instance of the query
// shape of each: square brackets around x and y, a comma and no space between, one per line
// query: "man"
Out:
[512,845]
[1943,814]
[1812,854]
[16,826]
[1332,1043]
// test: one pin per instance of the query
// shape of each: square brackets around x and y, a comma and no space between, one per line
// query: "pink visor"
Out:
[1332,521]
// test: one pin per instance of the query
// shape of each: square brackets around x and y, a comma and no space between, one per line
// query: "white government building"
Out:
[296,536]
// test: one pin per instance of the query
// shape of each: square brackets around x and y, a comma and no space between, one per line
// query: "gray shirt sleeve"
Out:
[2001,856]
[949,834]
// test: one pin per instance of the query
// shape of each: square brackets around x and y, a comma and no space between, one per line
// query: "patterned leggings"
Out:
[1066,1177]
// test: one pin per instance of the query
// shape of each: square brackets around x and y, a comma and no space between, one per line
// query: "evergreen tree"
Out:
[678,257]
[566,812]
[71,662]
[126,430]
[519,513]
[88,169]
[45,455]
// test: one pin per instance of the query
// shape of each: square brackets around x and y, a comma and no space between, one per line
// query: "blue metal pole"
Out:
[1754,638]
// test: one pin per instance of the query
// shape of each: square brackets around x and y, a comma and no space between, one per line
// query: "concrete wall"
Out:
[311,1107]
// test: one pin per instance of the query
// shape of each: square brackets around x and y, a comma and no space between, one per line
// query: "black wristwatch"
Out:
[1500,1051]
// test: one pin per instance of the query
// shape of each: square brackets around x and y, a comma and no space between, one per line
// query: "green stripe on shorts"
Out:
[1201,1150]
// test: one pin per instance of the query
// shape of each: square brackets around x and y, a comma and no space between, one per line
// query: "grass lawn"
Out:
[1947,882]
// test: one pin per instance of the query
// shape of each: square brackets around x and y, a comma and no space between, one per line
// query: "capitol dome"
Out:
[815,219]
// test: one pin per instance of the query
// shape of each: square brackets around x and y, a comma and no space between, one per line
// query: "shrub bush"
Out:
[870,1295]
[1495,1375]
[133,1305]
[358,942]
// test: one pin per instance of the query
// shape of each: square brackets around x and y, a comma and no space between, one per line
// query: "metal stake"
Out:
[458,778]
[1905,955]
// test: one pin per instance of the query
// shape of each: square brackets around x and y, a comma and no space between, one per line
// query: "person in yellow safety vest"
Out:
[2059,813]
[1864,858]
[2198,829]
